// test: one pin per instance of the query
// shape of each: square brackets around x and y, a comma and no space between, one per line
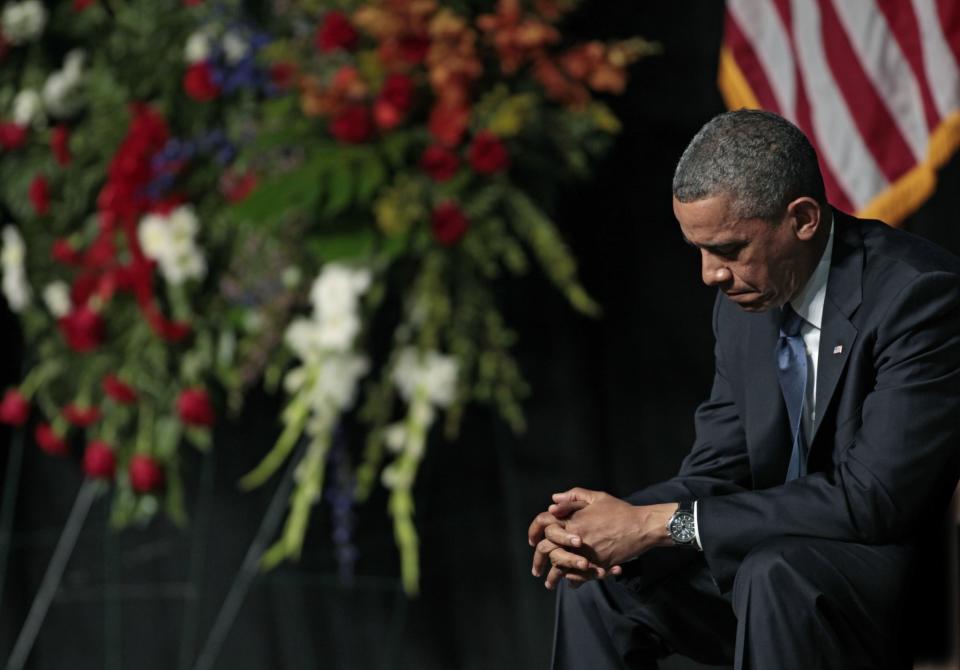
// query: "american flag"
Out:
[875,84]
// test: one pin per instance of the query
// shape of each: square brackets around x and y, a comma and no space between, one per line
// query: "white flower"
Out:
[337,289]
[198,47]
[337,379]
[170,241]
[234,47]
[432,374]
[302,338]
[338,331]
[56,295]
[16,289]
[63,90]
[28,108]
[23,21]
[395,437]
[392,478]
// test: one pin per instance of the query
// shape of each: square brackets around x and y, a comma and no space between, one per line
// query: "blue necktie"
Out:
[792,372]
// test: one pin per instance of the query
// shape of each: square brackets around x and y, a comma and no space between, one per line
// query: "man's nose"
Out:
[714,271]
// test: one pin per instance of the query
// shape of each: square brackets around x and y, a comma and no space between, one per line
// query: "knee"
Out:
[774,570]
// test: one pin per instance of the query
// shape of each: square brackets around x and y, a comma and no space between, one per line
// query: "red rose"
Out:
[439,162]
[352,125]
[237,187]
[413,48]
[99,461]
[282,74]
[82,328]
[394,101]
[80,5]
[488,154]
[12,136]
[336,32]
[81,417]
[199,84]
[63,252]
[49,440]
[39,193]
[60,144]
[14,408]
[118,390]
[194,408]
[448,123]
[146,475]
[448,224]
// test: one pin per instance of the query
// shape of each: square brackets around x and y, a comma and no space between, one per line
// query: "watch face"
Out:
[682,529]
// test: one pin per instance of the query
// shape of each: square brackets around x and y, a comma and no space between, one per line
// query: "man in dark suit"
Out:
[827,449]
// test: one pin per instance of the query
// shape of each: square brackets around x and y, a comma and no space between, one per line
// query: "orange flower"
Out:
[518,39]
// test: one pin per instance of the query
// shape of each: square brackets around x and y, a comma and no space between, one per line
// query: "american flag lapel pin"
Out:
[838,349]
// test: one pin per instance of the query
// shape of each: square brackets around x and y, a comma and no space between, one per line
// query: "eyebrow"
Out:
[720,248]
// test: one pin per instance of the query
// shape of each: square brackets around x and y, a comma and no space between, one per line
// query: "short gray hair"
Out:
[758,158]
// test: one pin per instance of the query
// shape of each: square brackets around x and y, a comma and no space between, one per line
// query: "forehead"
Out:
[711,221]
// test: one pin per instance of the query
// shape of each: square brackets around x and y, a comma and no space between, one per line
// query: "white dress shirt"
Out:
[809,306]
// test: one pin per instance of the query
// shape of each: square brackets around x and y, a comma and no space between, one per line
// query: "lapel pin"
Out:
[838,349]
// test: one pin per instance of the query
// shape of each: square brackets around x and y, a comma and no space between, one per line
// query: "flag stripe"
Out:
[905,26]
[948,12]
[889,73]
[760,27]
[940,64]
[804,117]
[750,65]
[869,111]
[844,149]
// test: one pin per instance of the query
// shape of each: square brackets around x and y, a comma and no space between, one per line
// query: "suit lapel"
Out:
[844,293]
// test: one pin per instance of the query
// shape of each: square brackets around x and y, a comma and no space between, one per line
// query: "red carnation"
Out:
[82,328]
[39,193]
[439,162]
[99,461]
[49,440]
[352,125]
[12,135]
[80,5]
[14,408]
[448,123]
[118,390]
[449,224]
[336,32]
[146,475]
[394,101]
[60,144]
[194,408]
[198,82]
[488,154]
[80,416]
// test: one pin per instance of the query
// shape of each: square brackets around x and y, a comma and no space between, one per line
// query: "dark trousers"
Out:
[796,604]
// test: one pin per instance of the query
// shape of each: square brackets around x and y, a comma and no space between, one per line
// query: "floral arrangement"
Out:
[318,199]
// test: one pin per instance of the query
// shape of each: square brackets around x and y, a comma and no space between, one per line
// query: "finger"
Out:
[541,521]
[576,493]
[558,535]
[616,570]
[541,556]
[574,578]
[565,509]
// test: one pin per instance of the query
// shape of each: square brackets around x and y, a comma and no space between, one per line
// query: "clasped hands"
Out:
[587,535]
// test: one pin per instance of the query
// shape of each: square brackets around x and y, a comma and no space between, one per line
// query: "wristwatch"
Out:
[681,525]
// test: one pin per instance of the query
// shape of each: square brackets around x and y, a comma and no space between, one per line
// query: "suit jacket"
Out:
[885,450]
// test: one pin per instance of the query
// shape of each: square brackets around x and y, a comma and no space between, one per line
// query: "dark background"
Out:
[611,409]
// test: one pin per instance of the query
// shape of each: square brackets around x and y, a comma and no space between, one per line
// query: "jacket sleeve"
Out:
[902,458]
[718,464]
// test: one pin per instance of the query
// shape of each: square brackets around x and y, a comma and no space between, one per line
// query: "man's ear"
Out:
[805,215]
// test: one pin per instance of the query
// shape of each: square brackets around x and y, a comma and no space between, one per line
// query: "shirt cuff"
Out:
[696,526]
